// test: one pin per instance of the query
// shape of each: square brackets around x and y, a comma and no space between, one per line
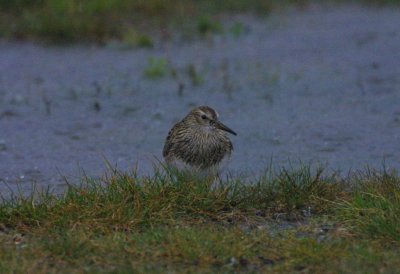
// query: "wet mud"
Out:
[320,85]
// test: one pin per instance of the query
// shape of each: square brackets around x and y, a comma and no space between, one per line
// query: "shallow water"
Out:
[318,85]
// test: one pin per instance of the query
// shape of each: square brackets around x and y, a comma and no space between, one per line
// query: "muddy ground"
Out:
[320,85]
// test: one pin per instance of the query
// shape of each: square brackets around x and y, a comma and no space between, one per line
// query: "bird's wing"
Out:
[168,144]
[230,146]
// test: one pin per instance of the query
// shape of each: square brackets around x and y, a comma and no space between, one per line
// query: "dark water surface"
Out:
[320,85]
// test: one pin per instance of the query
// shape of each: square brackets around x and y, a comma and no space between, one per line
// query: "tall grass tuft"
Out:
[374,208]
[126,201]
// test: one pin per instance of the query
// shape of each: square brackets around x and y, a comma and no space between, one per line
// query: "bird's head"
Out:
[207,118]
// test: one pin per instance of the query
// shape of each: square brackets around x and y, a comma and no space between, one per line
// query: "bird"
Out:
[199,144]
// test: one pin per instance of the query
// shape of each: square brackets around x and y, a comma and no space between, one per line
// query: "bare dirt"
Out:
[320,85]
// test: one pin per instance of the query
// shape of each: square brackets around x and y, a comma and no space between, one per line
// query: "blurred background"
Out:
[85,82]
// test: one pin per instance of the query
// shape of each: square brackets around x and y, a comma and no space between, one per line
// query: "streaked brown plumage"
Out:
[199,142]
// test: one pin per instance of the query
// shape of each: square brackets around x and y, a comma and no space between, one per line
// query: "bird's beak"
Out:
[221,126]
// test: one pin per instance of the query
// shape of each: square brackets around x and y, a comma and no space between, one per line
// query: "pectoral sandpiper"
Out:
[199,143]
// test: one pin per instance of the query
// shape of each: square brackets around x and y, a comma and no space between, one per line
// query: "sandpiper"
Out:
[199,143]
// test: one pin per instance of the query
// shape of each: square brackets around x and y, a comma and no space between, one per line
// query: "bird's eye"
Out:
[203,117]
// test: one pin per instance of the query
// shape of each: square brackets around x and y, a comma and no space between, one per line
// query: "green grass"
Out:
[195,77]
[206,25]
[101,20]
[298,220]
[157,68]
[132,38]
[374,209]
